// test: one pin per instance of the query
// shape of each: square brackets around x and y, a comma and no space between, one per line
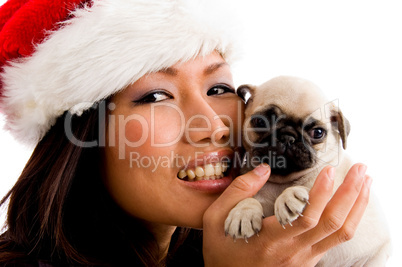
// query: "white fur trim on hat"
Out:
[102,50]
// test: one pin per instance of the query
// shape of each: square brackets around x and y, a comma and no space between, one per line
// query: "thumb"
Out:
[244,186]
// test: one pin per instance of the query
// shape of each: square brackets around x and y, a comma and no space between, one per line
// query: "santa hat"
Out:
[66,55]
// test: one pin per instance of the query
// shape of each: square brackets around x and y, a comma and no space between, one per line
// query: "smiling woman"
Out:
[206,139]
[106,89]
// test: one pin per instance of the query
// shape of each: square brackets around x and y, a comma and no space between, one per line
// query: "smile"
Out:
[213,171]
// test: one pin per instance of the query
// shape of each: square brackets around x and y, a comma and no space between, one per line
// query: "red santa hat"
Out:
[66,55]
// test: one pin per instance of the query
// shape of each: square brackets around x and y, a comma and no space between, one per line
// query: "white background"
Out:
[351,49]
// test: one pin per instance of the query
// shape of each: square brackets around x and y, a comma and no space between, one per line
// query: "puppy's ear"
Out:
[342,124]
[246,92]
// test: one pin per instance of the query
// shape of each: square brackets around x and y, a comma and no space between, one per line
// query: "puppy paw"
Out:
[290,204]
[245,219]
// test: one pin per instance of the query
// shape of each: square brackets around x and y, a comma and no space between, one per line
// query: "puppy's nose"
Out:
[287,139]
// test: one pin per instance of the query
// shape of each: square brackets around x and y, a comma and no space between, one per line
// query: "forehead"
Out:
[205,64]
[293,96]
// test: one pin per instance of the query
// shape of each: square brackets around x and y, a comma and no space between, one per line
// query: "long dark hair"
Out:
[59,211]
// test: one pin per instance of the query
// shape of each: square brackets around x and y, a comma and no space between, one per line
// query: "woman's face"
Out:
[168,140]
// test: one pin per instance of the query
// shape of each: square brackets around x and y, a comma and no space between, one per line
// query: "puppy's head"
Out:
[290,125]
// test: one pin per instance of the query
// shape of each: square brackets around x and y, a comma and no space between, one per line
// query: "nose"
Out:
[204,126]
[287,139]
[287,136]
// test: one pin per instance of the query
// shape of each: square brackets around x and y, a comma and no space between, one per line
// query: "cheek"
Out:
[167,125]
[161,126]
[134,132]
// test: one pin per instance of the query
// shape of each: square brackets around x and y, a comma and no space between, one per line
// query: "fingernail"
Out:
[331,173]
[368,181]
[362,170]
[262,169]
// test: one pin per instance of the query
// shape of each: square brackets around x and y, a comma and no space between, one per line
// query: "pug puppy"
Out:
[290,125]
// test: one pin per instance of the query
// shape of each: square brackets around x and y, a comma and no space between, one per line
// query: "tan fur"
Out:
[302,99]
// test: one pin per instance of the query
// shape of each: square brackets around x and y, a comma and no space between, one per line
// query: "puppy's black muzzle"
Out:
[285,150]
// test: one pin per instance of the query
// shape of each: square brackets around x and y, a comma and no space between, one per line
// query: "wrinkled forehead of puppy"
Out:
[294,96]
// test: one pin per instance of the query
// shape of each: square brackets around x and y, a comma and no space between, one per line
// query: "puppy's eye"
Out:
[220,90]
[317,133]
[258,122]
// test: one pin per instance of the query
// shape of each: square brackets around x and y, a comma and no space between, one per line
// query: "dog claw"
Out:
[245,239]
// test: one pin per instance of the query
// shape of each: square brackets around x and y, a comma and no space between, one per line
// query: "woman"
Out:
[132,109]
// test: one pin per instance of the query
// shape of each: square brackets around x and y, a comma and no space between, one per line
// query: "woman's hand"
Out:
[326,222]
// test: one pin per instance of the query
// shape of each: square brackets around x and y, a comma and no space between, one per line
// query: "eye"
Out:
[220,90]
[317,133]
[258,121]
[153,97]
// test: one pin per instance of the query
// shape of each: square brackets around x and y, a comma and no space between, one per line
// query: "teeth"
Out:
[207,172]
[190,174]
[218,169]
[199,172]
[182,174]
[224,166]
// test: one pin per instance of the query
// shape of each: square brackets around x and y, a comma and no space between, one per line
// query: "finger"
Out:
[320,194]
[242,187]
[351,223]
[340,205]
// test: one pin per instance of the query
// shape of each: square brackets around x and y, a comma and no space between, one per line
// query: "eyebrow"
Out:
[214,67]
[208,70]
[169,71]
